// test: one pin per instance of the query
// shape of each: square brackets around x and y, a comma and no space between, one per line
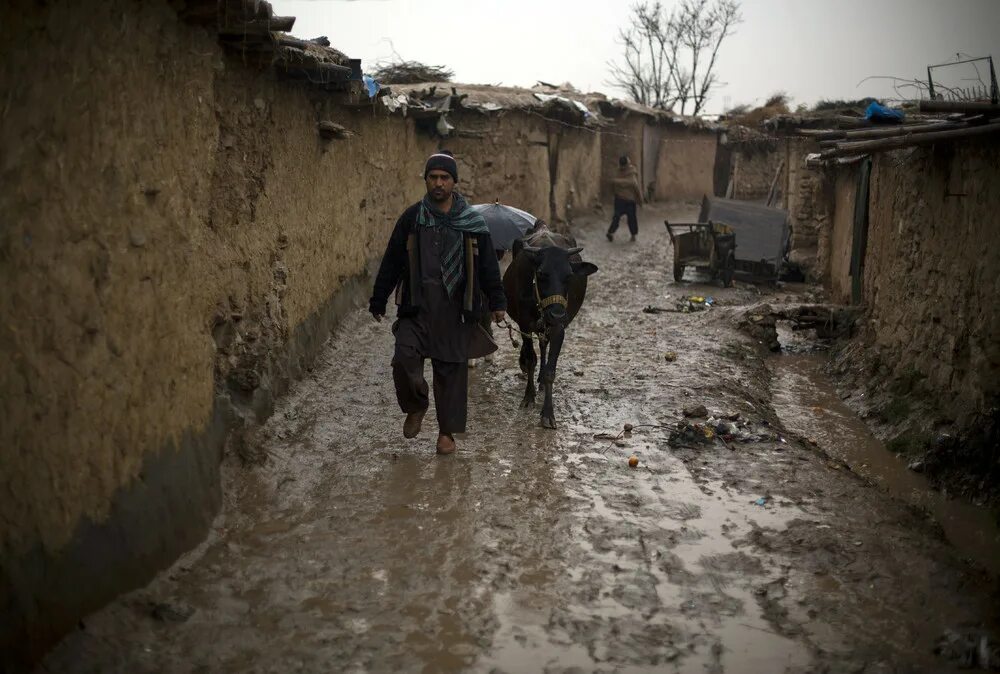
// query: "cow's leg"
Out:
[549,377]
[543,347]
[528,361]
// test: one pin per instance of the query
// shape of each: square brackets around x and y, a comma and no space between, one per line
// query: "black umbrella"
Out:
[506,223]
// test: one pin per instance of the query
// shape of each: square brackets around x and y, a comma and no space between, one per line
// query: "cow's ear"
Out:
[584,268]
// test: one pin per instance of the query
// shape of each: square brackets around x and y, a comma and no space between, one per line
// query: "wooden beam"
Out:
[771,193]
[969,107]
[927,138]
[892,132]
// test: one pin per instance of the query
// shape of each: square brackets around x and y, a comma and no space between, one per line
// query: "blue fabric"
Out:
[372,86]
[880,114]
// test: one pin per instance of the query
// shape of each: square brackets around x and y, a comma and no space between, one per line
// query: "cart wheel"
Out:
[728,267]
[678,271]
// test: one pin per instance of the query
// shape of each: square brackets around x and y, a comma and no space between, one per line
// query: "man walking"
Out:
[628,194]
[440,260]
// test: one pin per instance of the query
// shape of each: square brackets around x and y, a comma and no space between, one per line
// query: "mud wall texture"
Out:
[526,161]
[932,275]
[753,168]
[809,202]
[624,138]
[686,166]
[503,157]
[178,237]
[576,181]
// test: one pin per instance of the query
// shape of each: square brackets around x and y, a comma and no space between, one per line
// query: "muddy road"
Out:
[351,549]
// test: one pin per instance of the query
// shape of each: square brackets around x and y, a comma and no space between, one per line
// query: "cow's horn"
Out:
[574,250]
[531,249]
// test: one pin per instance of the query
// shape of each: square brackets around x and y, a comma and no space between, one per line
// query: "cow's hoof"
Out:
[548,422]
[527,402]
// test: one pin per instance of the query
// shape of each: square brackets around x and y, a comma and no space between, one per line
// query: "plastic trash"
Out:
[371,85]
[882,115]
[761,501]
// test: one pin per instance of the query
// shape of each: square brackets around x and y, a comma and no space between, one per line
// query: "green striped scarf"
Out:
[461,219]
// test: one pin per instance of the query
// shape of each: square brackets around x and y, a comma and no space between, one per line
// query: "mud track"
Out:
[352,549]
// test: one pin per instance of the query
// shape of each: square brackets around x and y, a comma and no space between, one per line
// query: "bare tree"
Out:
[669,59]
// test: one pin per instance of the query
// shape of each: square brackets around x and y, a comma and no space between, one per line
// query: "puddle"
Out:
[807,404]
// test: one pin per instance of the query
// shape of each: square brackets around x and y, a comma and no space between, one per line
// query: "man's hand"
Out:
[498,317]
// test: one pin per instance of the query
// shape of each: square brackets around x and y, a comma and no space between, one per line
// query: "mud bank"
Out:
[355,549]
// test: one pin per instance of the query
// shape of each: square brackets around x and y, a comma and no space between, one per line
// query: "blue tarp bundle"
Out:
[882,115]
[371,85]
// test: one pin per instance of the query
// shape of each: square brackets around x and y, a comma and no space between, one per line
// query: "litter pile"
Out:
[695,303]
[726,427]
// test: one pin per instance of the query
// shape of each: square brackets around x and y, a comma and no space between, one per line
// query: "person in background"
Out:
[628,196]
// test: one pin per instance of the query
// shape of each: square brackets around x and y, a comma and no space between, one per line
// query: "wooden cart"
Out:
[709,246]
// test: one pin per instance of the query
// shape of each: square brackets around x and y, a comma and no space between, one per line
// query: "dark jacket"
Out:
[399,270]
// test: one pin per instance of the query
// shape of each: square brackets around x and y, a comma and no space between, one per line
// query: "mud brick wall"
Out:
[502,157]
[576,181]
[753,166]
[932,274]
[686,166]
[520,158]
[624,138]
[809,201]
[177,243]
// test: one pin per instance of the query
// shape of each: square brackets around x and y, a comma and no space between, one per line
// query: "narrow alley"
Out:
[344,547]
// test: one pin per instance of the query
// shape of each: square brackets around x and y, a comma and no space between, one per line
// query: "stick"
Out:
[771,193]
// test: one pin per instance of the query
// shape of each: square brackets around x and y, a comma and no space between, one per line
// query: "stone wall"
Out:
[924,367]
[753,165]
[932,277]
[809,202]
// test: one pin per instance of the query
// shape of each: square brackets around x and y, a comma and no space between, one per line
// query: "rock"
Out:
[137,237]
[696,411]
[916,466]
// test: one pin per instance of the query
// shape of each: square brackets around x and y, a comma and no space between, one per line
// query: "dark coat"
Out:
[399,270]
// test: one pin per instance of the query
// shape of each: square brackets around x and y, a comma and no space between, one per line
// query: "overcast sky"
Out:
[811,49]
